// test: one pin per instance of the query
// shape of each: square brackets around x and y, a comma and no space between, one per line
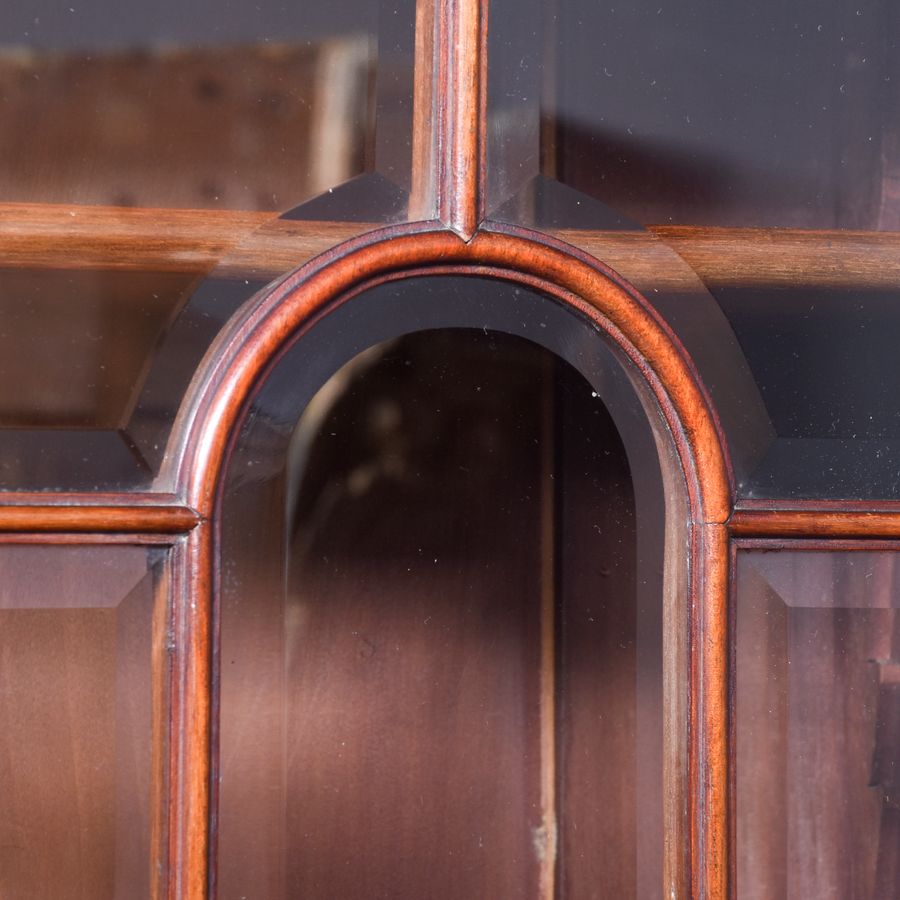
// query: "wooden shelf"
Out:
[787,257]
[259,245]
[234,244]
[746,257]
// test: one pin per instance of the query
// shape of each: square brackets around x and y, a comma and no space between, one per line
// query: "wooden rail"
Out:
[787,257]
[242,244]
[746,257]
[234,244]
[100,514]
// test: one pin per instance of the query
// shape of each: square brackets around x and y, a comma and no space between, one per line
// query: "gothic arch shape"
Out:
[259,335]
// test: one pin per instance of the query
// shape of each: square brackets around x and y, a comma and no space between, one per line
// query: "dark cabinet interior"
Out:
[456,576]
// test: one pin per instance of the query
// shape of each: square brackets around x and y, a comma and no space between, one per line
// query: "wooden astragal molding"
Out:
[459,149]
[113,515]
[239,358]
[816,545]
[108,515]
[780,520]
[48,516]
[241,244]
[236,367]
[192,690]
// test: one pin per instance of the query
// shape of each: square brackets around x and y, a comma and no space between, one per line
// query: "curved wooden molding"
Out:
[463,76]
[236,366]
[781,520]
[239,359]
[111,515]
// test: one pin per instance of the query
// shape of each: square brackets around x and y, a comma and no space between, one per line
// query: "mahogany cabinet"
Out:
[451,448]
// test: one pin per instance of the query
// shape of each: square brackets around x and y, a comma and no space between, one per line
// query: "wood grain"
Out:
[191,692]
[549,666]
[209,422]
[244,351]
[609,821]
[51,236]
[814,519]
[161,740]
[238,244]
[787,257]
[130,513]
[782,258]
[710,715]
[203,124]
[116,514]
[462,84]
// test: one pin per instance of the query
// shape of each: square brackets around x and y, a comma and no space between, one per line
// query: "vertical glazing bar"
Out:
[710,715]
[449,101]
[161,740]
[462,85]
[189,767]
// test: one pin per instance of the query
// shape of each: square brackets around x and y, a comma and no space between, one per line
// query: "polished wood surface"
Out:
[815,519]
[426,125]
[72,237]
[212,415]
[551,662]
[207,417]
[192,691]
[462,84]
[710,716]
[777,258]
[244,245]
[418,705]
[787,257]
[609,822]
[190,842]
[398,663]
[109,514]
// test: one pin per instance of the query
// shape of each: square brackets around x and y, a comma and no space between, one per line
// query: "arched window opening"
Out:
[446,588]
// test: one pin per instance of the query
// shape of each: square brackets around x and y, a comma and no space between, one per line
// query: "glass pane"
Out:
[165,162]
[760,146]
[818,724]
[440,672]
[667,114]
[200,105]
[84,710]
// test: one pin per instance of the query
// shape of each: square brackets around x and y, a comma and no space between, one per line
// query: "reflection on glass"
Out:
[435,678]
[760,147]
[774,114]
[195,106]
[83,706]
[162,165]
[818,725]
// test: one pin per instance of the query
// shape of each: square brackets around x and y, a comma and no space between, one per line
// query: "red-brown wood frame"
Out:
[251,344]
[247,350]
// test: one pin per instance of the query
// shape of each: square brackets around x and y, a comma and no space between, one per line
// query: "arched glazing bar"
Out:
[209,427]
[803,266]
[744,166]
